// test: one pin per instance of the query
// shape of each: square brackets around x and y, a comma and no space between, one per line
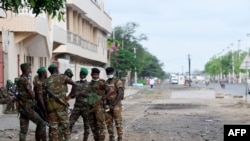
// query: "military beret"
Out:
[95,70]
[84,71]
[9,82]
[41,69]
[52,66]
[110,70]
[69,71]
[23,65]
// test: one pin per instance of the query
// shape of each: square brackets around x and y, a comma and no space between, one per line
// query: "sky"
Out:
[178,28]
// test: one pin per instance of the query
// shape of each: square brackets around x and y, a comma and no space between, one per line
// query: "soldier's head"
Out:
[95,73]
[69,73]
[42,72]
[110,72]
[26,69]
[83,73]
[9,84]
[53,69]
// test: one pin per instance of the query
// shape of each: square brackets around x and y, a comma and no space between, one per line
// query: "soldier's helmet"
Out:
[69,73]
[9,84]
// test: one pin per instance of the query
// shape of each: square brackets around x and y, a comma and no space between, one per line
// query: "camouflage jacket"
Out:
[115,83]
[98,87]
[56,85]
[81,86]
[3,95]
[39,87]
[65,87]
[24,86]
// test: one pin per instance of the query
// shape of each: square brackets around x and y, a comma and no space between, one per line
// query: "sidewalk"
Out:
[11,121]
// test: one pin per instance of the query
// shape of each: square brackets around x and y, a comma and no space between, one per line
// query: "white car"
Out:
[174,81]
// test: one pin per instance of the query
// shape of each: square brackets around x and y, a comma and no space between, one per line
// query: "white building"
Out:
[79,41]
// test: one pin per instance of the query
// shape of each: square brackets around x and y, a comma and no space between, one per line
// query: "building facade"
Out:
[78,41]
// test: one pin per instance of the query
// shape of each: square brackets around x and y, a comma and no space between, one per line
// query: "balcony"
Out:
[85,50]
[78,41]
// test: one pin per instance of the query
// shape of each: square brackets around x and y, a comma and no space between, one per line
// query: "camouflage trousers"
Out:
[80,110]
[29,114]
[11,107]
[114,116]
[97,122]
[59,120]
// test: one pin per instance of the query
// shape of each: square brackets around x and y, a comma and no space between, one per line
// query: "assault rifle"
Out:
[57,98]
[20,102]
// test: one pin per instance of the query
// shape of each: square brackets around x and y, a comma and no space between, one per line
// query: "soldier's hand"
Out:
[10,98]
[98,102]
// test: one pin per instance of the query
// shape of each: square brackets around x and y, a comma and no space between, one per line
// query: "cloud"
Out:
[178,27]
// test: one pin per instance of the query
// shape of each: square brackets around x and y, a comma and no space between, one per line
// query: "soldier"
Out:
[56,104]
[11,106]
[69,73]
[114,102]
[5,96]
[97,93]
[38,83]
[81,105]
[26,105]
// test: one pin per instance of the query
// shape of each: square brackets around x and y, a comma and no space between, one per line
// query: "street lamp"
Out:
[248,35]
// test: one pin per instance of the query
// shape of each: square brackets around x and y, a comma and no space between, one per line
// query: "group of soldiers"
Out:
[98,102]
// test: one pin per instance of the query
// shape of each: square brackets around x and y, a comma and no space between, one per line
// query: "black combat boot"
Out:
[119,139]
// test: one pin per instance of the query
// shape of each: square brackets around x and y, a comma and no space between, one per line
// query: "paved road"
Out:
[237,89]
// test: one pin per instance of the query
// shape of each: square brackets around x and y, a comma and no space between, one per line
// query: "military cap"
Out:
[9,82]
[69,71]
[24,65]
[110,70]
[84,71]
[41,69]
[95,70]
[52,66]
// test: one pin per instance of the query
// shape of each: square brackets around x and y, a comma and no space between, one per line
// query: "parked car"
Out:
[174,81]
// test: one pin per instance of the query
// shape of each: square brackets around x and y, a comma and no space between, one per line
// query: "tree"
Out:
[123,61]
[52,7]
[128,40]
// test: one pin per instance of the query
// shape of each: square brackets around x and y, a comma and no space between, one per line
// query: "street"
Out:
[233,89]
[170,113]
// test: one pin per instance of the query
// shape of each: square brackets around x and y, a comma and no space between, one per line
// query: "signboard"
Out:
[246,63]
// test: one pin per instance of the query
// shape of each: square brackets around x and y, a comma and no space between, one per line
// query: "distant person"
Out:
[151,82]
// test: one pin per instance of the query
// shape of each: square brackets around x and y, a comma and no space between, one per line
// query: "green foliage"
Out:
[224,64]
[52,7]
[142,81]
[124,60]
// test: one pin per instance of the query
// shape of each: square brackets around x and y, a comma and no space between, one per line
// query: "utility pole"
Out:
[232,64]
[135,66]
[189,68]
[239,49]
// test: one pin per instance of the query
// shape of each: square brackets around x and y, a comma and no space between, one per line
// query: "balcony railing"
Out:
[79,41]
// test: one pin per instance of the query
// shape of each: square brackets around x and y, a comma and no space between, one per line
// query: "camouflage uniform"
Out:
[59,116]
[26,109]
[81,108]
[97,114]
[114,115]
[11,106]
[38,89]
[3,95]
